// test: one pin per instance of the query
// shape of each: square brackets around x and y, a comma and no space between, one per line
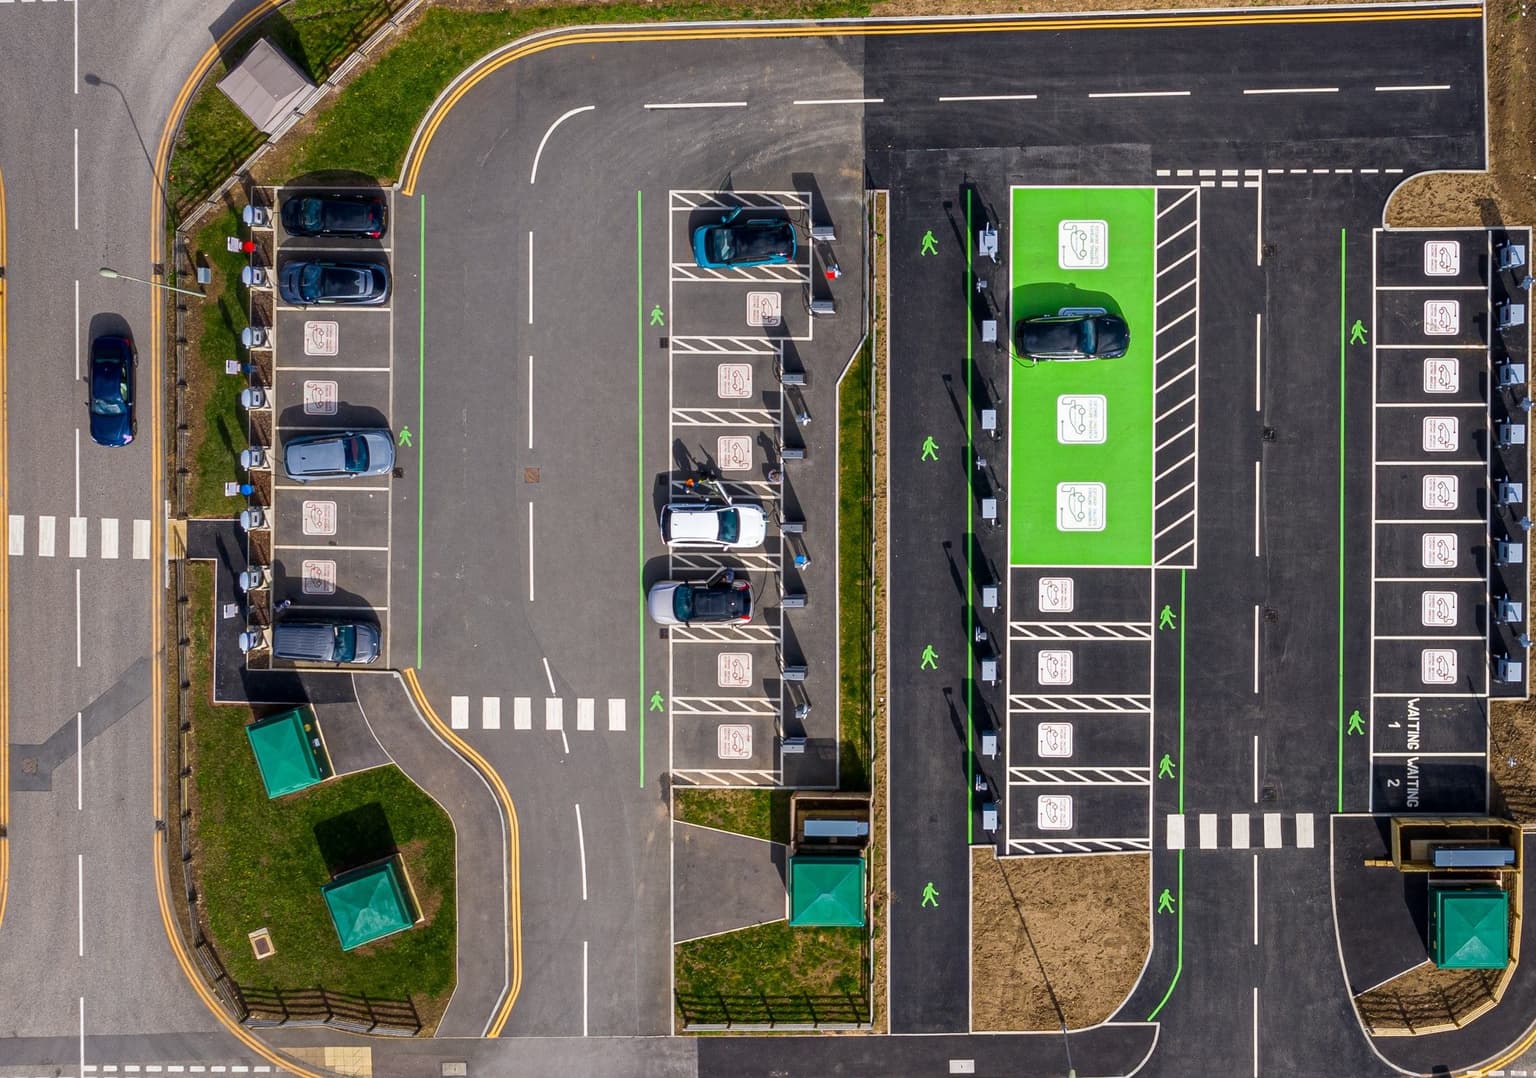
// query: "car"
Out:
[348,455]
[355,642]
[356,216]
[712,524]
[736,244]
[111,381]
[1073,334]
[306,283]
[722,601]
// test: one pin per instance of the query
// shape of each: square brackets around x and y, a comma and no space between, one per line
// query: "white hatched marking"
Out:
[460,716]
[1239,830]
[490,713]
[522,713]
[18,535]
[584,710]
[78,534]
[1207,830]
[1175,831]
[1304,836]
[1271,830]
[616,714]
[109,537]
[141,540]
[554,713]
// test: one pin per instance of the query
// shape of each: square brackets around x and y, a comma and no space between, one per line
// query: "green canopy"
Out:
[370,903]
[826,890]
[283,751]
[1469,927]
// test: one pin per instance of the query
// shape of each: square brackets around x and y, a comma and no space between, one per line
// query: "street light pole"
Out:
[106,271]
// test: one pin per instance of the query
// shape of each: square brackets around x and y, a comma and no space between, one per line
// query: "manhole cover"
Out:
[530,475]
[29,765]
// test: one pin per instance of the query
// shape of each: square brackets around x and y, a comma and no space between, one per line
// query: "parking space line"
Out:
[1434,404]
[522,713]
[1271,830]
[616,715]
[554,713]
[584,713]
[306,369]
[1240,823]
[349,488]
[490,713]
[460,712]
[383,308]
[331,546]
[109,537]
[1207,830]
[77,536]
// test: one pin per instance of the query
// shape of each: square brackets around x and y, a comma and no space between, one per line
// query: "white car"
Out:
[711,524]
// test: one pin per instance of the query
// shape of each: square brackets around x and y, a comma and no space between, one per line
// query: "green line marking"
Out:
[1178,966]
[1183,581]
[421,406]
[1343,234]
[970,540]
[640,317]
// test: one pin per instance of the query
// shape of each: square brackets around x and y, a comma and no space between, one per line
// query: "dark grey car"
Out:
[326,641]
[306,284]
[345,455]
[1074,334]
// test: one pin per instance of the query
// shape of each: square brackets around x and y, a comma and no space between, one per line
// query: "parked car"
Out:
[111,400]
[737,244]
[1073,334]
[357,283]
[348,455]
[726,601]
[712,524]
[326,641]
[358,216]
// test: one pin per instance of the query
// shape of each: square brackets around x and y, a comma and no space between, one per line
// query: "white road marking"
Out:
[1304,837]
[45,537]
[1256,503]
[78,536]
[697,105]
[530,552]
[1255,1031]
[1255,769]
[1411,89]
[583,964]
[1240,830]
[77,330]
[1255,899]
[141,540]
[80,899]
[1144,93]
[1258,239]
[584,710]
[1175,831]
[490,713]
[77,179]
[991,97]
[533,176]
[1271,830]
[460,716]
[554,713]
[1207,830]
[18,535]
[530,403]
[75,16]
[109,537]
[616,714]
[1293,90]
[82,1034]
[1258,361]
[549,677]
[78,621]
[530,276]
[1255,649]
[840,101]
[581,846]
[77,471]
[522,713]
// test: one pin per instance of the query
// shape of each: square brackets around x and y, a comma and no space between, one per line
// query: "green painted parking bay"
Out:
[1080,482]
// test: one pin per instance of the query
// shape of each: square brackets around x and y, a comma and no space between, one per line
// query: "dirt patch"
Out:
[879,779]
[1426,998]
[1073,7]
[1056,940]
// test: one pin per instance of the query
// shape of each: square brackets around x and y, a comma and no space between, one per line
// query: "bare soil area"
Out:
[1056,940]
[1426,997]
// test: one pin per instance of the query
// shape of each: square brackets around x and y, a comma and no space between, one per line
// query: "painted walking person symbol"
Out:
[930,895]
[405,437]
[930,659]
[1167,619]
[1356,723]
[657,318]
[930,449]
[1165,902]
[656,704]
[1165,767]
[930,245]
[1357,332]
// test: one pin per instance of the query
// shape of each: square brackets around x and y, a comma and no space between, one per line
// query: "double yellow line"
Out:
[1143,20]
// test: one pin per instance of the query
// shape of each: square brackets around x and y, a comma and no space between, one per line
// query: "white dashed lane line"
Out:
[697,105]
[1142,93]
[1292,90]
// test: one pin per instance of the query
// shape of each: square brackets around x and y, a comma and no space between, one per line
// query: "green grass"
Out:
[855,580]
[759,813]
[217,425]
[260,862]
[368,126]
[1123,461]
[773,970]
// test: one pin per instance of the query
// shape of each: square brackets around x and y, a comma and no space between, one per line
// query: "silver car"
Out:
[348,455]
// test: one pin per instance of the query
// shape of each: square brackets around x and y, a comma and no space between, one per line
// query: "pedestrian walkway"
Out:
[71,537]
[553,713]
[1241,833]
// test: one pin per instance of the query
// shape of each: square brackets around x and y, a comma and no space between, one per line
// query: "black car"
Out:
[1074,334]
[111,401]
[352,283]
[355,216]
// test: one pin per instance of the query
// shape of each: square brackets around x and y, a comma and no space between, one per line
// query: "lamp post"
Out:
[106,271]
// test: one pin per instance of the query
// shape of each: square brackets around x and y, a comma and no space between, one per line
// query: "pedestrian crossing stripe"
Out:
[522,713]
[109,541]
[1208,831]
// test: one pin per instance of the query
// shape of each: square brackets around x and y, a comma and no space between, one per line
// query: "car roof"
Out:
[701,521]
[721,601]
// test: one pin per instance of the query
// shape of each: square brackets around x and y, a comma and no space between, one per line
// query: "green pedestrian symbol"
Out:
[405,437]
[931,895]
[1356,723]
[1357,332]
[930,449]
[930,658]
[1165,767]
[1167,619]
[1165,902]
[657,318]
[656,704]
[930,245]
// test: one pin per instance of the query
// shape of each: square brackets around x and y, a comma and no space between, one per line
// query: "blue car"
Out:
[111,403]
[307,283]
[738,244]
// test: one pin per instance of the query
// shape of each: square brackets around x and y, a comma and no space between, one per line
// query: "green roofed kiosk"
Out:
[826,890]
[370,903]
[289,751]
[1469,927]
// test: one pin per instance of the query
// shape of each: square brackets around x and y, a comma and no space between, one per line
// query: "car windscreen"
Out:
[682,602]
[312,214]
[309,280]
[355,451]
[719,604]
[730,525]
[346,643]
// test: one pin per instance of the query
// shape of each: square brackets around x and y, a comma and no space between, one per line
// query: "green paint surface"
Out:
[1123,461]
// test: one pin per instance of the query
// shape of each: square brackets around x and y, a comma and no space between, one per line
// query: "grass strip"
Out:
[757,813]
[773,973]
[855,580]
[217,428]
[261,863]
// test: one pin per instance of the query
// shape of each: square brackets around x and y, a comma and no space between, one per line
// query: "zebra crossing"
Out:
[1270,834]
[615,719]
[73,539]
